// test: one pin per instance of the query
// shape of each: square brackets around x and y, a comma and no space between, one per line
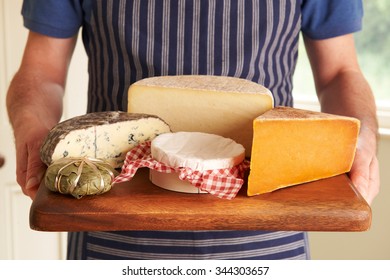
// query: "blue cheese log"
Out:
[102,135]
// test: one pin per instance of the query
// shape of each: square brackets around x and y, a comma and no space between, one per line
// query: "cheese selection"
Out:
[102,135]
[293,146]
[210,123]
[225,106]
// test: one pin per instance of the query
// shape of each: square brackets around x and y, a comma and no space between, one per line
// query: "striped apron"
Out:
[130,40]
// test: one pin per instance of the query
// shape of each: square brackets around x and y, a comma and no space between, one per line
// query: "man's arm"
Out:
[342,89]
[34,102]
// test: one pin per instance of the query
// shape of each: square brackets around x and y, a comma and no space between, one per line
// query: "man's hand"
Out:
[29,167]
[34,102]
[365,169]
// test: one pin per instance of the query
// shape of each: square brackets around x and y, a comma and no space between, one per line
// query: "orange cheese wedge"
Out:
[293,146]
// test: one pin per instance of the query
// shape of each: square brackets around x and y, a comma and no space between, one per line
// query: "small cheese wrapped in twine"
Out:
[80,176]
[223,183]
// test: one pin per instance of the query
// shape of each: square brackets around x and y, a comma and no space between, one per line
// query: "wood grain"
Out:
[330,204]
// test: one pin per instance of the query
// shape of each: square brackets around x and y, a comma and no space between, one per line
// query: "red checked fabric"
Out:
[223,183]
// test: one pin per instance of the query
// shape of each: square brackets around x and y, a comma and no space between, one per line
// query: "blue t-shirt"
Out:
[130,40]
[320,19]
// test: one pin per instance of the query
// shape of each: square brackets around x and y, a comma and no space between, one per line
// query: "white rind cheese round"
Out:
[196,150]
[219,105]
[171,181]
[102,135]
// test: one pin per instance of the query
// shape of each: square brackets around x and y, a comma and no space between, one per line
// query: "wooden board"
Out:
[330,204]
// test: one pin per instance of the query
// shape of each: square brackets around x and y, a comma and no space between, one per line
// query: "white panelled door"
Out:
[17,240]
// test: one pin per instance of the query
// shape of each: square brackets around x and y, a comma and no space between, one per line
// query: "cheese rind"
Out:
[171,181]
[224,106]
[101,135]
[292,146]
[196,150]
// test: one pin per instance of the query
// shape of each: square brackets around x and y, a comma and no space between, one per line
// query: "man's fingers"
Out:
[374,180]
[365,177]
[35,171]
[21,165]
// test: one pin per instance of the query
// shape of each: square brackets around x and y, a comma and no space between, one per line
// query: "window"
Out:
[373,46]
